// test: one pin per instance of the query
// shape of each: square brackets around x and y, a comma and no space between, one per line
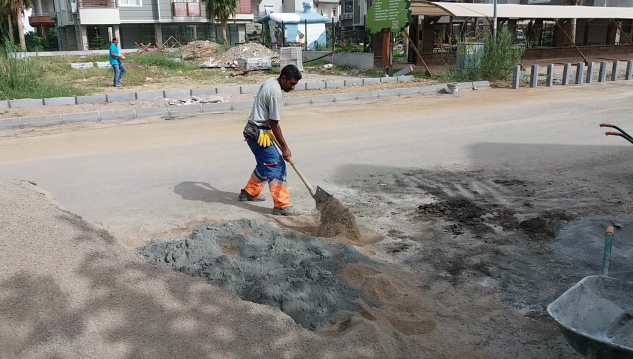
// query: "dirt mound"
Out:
[268,265]
[250,50]
[200,50]
[337,220]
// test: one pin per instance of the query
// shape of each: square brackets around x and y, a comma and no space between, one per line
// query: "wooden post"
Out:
[450,31]
[406,43]
[386,48]
[415,48]
[573,43]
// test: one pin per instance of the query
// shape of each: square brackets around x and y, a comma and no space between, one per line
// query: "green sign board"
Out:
[387,14]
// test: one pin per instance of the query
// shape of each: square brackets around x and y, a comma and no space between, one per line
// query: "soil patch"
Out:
[268,265]
[546,225]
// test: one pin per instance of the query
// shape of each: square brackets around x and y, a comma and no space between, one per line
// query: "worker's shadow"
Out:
[201,191]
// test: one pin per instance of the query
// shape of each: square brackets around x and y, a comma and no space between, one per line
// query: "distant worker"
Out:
[115,61]
[271,166]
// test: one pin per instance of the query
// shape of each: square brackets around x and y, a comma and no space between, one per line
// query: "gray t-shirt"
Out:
[267,104]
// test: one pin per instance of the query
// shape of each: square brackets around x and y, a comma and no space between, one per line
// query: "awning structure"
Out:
[514,11]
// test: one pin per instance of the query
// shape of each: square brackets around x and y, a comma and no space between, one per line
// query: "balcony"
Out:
[36,20]
[98,12]
[186,9]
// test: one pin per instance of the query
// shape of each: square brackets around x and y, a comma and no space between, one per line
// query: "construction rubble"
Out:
[245,51]
[200,50]
[195,100]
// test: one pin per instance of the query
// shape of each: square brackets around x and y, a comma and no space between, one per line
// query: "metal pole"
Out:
[305,36]
[494,23]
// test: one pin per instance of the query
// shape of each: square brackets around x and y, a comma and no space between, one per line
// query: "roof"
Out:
[514,11]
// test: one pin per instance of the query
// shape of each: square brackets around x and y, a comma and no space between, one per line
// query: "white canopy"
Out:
[513,11]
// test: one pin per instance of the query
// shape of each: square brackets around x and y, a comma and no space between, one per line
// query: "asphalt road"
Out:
[141,180]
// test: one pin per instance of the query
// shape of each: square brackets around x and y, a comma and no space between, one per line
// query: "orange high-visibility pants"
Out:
[270,168]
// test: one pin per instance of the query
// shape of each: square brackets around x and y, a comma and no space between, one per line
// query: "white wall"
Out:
[327,10]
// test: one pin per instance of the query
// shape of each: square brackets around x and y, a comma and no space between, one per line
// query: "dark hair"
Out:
[291,72]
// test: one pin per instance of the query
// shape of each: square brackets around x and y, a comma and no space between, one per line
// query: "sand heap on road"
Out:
[268,265]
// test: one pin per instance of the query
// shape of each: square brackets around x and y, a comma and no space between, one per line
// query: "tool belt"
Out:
[251,131]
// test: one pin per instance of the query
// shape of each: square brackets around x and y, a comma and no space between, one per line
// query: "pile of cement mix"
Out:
[267,265]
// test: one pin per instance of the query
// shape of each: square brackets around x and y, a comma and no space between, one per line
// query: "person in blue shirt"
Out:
[115,61]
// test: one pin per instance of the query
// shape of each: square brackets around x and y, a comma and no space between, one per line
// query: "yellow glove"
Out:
[265,138]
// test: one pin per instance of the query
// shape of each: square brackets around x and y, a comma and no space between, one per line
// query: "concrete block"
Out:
[405,78]
[589,78]
[341,97]
[388,93]
[4,104]
[332,84]
[202,92]
[228,90]
[216,107]
[255,89]
[315,85]
[465,86]
[300,86]
[566,74]
[516,77]
[409,91]
[59,101]
[26,103]
[127,114]
[241,105]
[429,89]
[534,76]
[178,94]
[367,95]
[6,123]
[152,111]
[118,97]
[481,84]
[354,82]
[550,75]
[298,100]
[91,99]
[322,99]
[34,121]
[80,117]
[629,69]
[615,71]
[602,76]
[388,79]
[371,80]
[185,109]
[404,71]
[580,73]
[149,95]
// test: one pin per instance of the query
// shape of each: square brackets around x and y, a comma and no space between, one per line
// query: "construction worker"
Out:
[260,131]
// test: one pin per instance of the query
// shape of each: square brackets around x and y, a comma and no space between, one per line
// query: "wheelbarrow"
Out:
[596,314]
[621,132]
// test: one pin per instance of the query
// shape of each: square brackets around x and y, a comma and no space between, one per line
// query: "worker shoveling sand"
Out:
[268,265]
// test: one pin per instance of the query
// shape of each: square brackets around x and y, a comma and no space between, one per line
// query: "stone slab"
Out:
[26,103]
[300,86]
[91,99]
[388,93]
[60,101]
[334,83]
[404,71]
[409,91]
[388,79]
[216,107]
[228,90]
[354,82]
[119,97]
[322,99]
[4,104]
[298,100]
[6,123]
[206,91]
[253,89]
[405,78]
[177,94]
[315,85]
[350,96]
[464,86]
[123,114]
[371,80]
[33,121]
[481,84]
[241,105]
[149,95]
[184,109]
[367,95]
[80,117]
[151,111]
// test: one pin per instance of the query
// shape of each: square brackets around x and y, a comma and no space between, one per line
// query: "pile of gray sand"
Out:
[268,265]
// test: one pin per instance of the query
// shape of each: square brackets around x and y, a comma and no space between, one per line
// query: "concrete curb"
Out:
[580,76]
[130,114]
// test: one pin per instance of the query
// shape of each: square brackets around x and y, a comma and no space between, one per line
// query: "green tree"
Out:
[222,9]
[15,9]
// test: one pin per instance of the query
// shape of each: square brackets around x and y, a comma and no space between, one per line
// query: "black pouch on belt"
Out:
[250,132]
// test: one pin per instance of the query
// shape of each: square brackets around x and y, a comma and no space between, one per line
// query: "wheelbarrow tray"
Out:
[596,317]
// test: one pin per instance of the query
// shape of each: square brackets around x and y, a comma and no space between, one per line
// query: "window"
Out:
[333,12]
[349,7]
[130,3]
